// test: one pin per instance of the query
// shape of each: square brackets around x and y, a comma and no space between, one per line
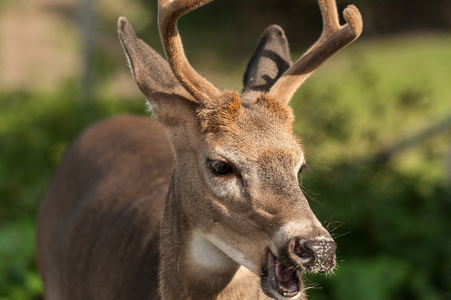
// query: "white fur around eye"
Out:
[227,187]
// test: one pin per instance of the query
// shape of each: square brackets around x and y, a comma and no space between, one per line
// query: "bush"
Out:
[35,129]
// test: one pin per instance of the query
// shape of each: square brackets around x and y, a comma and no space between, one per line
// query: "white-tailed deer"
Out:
[231,222]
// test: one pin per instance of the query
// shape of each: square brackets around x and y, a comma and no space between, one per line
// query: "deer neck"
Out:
[191,267]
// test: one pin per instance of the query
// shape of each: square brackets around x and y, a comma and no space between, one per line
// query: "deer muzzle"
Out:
[282,275]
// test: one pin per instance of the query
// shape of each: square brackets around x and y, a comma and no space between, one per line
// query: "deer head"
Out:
[235,191]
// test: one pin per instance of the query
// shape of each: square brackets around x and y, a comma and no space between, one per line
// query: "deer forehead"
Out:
[261,131]
[228,111]
[253,144]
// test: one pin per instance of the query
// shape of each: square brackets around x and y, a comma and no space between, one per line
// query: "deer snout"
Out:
[282,271]
[316,255]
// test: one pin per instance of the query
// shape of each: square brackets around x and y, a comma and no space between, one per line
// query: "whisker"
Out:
[321,159]
[336,236]
[308,284]
[311,195]
[331,226]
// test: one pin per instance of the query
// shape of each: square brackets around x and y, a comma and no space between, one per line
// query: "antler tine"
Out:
[333,38]
[169,11]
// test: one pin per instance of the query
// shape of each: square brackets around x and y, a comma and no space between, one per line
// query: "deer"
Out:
[202,201]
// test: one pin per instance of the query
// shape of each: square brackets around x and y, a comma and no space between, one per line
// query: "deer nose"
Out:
[317,256]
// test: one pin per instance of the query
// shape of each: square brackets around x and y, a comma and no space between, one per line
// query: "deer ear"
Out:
[152,73]
[270,60]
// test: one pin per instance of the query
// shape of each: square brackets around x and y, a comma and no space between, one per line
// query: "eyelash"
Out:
[304,166]
[220,168]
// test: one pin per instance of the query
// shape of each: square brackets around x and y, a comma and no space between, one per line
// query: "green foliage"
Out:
[394,242]
[373,94]
[390,220]
[18,276]
[35,129]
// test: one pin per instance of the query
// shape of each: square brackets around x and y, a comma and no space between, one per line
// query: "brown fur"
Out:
[103,208]
[282,112]
[222,115]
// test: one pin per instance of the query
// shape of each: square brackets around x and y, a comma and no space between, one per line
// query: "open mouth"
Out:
[282,279]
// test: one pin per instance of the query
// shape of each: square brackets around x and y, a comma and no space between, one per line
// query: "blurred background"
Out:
[375,121]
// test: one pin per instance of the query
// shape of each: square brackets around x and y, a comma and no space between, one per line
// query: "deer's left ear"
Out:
[151,72]
[270,60]
[155,79]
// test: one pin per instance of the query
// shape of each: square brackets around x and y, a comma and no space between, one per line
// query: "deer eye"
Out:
[220,168]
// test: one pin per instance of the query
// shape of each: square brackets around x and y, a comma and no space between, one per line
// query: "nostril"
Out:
[304,250]
[317,256]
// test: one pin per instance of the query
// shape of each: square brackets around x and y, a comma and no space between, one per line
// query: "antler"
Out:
[333,38]
[169,11]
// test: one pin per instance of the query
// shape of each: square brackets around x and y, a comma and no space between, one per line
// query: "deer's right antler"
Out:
[333,38]
[169,11]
